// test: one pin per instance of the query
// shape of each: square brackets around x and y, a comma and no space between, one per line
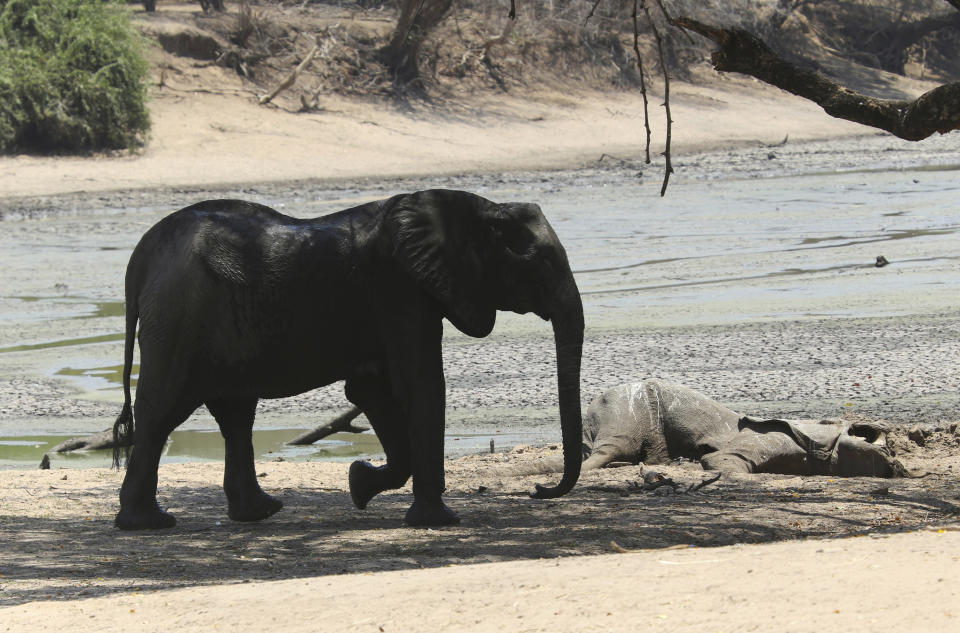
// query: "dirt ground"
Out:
[61,520]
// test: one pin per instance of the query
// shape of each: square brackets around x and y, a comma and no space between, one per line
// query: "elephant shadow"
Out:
[320,533]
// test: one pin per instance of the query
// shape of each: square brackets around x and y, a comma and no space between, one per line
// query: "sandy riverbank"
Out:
[202,139]
[818,550]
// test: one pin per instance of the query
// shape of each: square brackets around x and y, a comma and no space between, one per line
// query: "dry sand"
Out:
[202,139]
[790,553]
[321,565]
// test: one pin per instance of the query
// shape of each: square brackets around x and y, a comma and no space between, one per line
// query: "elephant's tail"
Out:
[123,427]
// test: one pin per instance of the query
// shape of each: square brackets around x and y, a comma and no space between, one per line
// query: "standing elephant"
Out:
[238,302]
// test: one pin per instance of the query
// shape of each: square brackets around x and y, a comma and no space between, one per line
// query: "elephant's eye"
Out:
[515,239]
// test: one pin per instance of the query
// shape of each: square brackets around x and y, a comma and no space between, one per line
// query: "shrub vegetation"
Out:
[72,76]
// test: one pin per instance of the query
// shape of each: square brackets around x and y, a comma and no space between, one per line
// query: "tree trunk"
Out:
[401,55]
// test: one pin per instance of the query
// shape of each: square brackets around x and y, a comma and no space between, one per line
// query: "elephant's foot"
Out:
[259,507]
[150,519]
[363,484]
[423,513]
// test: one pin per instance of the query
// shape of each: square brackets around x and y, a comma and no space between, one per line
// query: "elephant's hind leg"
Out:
[374,397]
[139,509]
[246,501]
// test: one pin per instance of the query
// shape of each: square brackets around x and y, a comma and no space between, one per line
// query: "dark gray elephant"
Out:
[237,302]
[654,421]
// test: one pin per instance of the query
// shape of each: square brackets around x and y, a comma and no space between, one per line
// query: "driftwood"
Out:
[340,424]
[104,439]
[95,442]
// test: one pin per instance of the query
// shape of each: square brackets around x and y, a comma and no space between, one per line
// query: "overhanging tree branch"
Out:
[739,51]
[643,81]
[668,165]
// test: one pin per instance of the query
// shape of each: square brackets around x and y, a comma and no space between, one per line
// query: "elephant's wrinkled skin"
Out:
[654,421]
[237,302]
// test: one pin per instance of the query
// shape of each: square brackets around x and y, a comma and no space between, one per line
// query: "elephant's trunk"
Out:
[567,322]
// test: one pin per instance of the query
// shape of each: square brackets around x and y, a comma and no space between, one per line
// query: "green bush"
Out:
[72,76]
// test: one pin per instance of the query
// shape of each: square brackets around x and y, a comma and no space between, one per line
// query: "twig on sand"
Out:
[702,484]
[654,480]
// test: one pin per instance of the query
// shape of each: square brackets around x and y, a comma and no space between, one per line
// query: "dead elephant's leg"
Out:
[761,451]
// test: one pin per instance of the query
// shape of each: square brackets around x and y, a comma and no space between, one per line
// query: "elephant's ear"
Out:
[441,239]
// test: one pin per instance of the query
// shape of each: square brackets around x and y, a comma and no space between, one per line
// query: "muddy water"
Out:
[758,287]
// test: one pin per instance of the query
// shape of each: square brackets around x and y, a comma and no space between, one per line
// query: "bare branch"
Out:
[668,167]
[643,82]
[596,3]
[739,51]
[703,484]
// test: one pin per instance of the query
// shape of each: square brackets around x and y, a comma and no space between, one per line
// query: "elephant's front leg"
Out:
[246,500]
[415,363]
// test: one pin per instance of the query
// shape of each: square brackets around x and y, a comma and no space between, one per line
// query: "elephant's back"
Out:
[230,240]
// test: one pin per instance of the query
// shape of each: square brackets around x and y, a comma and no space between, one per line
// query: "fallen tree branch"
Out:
[292,77]
[739,51]
[95,442]
[340,424]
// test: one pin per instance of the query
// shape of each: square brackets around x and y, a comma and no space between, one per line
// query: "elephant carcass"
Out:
[807,447]
[654,421]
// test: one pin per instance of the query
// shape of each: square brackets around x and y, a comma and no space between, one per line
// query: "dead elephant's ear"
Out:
[441,239]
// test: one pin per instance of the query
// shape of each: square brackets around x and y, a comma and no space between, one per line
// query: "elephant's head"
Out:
[475,257]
